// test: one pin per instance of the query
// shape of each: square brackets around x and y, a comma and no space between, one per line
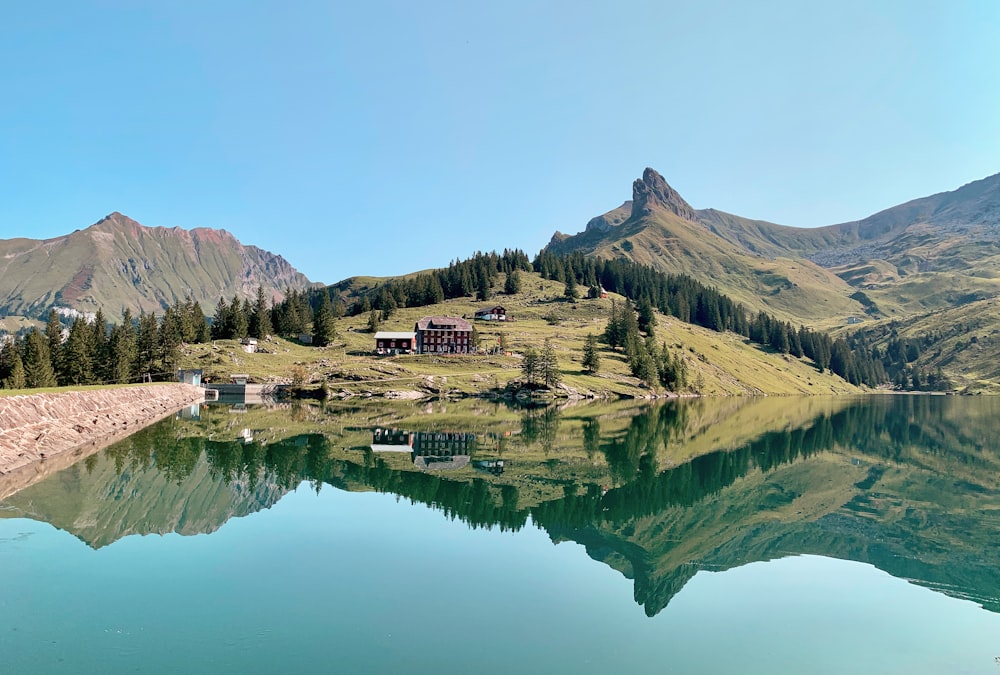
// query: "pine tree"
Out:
[38,370]
[11,366]
[591,358]
[221,321]
[529,366]
[613,332]
[646,320]
[147,344]
[169,341]
[78,355]
[483,286]
[17,378]
[53,335]
[260,318]
[324,330]
[122,351]
[512,284]
[99,339]
[570,292]
[549,366]
[374,319]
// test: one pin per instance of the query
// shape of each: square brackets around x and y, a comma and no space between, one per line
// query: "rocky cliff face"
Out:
[652,192]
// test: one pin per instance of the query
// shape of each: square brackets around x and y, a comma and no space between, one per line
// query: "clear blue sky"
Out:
[385,137]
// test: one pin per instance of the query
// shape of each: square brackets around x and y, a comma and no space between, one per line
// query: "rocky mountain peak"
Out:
[652,192]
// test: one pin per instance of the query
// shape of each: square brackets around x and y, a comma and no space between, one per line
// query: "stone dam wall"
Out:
[40,433]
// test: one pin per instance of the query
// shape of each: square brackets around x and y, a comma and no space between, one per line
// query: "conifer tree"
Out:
[483,286]
[53,335]
[549,366]
[147,344]
[77,355]
[17,378]
[591,358]
[240,321]
[38,370]
[529,366]
[221,321]
[570,292]
[260,319]
[512,284]
[323,322]
[122,351]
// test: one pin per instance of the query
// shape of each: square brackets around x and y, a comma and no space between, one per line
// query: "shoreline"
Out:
[42,433]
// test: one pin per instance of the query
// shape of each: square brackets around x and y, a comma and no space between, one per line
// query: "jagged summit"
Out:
[652,191]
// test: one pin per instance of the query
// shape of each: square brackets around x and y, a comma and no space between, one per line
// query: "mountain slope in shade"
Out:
[118,263]
[662,230]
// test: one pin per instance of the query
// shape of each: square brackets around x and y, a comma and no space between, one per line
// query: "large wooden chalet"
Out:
[444,334]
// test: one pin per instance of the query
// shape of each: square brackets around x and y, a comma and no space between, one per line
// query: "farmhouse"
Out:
[395,342]
[495,313]
[443,334]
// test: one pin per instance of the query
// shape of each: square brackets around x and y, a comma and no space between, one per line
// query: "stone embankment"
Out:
[46,428]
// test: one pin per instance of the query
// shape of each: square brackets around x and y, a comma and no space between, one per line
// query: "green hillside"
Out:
[664,232]
[930,265]
[718,363]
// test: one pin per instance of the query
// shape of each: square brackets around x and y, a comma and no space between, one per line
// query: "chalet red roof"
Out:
[442,323]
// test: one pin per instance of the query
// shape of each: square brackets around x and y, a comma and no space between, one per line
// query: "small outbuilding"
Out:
[395,342]
[190,376]
[495,313]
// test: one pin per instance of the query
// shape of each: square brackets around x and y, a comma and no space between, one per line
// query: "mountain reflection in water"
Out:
[905,483]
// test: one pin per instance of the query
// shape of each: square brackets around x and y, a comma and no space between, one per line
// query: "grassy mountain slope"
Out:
[718,364]
[663,231]
[931,263]
[118,263]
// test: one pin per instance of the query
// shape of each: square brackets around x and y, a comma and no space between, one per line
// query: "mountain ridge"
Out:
[118,263]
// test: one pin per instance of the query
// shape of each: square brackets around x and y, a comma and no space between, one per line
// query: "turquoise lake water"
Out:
[857,537]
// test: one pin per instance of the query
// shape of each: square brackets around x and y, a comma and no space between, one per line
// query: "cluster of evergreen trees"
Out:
[91,353]
[540,368]
[474,276]
[691,301]
[94,352]
[653,364]
[899,356]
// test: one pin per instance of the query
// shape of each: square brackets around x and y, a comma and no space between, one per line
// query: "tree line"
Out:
[147,346]
[462,278]
[690,301]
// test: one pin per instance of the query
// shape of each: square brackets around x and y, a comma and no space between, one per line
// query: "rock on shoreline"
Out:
[40,427]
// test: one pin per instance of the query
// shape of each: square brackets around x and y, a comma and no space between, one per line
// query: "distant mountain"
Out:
[659,228]
[929,254]
[118,263]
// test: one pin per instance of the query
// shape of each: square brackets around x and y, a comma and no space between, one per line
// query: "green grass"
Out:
[719,364]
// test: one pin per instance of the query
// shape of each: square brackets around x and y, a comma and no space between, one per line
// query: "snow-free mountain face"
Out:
[929,254]
[118,263]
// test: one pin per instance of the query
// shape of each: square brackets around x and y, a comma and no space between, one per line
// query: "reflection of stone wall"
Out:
[39,427]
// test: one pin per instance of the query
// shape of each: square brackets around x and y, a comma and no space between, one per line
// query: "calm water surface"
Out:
[771,536]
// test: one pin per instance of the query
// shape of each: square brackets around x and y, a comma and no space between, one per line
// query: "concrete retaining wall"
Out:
[38,428]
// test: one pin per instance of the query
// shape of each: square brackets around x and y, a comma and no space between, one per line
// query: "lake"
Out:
[772,535]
